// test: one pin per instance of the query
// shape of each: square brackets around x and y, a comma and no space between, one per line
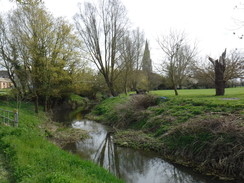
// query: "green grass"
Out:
[196,127]
[176,109]
[33,159]
[206,95]
[4,175]
[108,105]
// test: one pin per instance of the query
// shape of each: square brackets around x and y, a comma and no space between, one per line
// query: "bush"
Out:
[138,102]
[133,110]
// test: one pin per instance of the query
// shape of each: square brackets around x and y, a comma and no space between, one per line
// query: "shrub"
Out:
[138,102]
[133,110]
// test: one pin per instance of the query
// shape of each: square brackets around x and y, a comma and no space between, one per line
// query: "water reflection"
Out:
[131,165]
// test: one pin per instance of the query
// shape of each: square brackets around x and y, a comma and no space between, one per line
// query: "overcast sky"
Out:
[209,22]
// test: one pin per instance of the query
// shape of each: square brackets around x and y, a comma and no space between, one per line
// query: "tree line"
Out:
[48,58]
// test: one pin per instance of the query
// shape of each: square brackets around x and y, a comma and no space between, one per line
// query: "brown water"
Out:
[131,165]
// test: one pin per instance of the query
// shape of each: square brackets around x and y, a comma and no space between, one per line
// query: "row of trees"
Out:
[46,57]
[181,64]
[40,52]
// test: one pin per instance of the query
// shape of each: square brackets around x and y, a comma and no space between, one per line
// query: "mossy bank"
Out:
[195,129]
[33,159]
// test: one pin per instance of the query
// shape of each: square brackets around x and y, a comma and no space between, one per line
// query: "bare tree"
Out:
[130,57]
[179,57]
[102,27]
[234,65]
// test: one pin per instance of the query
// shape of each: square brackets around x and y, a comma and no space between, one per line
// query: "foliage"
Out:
[33,159]
[39,52]
[4,175]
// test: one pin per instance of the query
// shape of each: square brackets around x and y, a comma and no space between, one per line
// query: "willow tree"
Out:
[102,27]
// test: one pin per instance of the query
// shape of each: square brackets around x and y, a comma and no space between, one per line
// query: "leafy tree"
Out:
[39,51]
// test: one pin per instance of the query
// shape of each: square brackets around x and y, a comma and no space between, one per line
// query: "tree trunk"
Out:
[219,69]
[110,86]
[219,80]
[175,89]
[45,107]
[112,91]
[36,104]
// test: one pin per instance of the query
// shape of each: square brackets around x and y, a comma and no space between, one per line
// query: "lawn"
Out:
[233,96]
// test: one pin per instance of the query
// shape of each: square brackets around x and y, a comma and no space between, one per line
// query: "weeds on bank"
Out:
[216,142]
[196,126]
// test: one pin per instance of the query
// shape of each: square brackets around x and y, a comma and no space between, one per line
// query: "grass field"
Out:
[207,95]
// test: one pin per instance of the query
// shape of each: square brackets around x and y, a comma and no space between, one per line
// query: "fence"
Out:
[9,117]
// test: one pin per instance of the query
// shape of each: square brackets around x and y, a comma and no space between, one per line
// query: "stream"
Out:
[131,165]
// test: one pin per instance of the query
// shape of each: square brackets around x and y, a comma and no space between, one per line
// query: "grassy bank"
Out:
[33,159]
[196,128]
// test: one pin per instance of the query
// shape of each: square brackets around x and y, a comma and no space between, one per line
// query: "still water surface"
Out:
[131,165]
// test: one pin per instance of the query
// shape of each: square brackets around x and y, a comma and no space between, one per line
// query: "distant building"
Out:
[5,82]
[4,74]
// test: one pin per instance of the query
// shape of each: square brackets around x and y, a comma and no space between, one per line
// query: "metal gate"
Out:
[9,117]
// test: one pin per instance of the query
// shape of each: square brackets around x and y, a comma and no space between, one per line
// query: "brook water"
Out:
[131,165]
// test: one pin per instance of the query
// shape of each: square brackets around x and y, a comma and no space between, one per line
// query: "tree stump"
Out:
[219,69]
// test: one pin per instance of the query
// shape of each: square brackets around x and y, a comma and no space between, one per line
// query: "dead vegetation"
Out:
[134,109]
[61,135]
[214,143]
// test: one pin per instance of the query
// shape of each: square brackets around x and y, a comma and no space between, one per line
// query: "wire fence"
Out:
[9,117]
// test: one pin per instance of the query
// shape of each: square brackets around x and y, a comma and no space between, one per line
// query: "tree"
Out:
[179,58]
[39,51]
[130,50]
[102,28]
